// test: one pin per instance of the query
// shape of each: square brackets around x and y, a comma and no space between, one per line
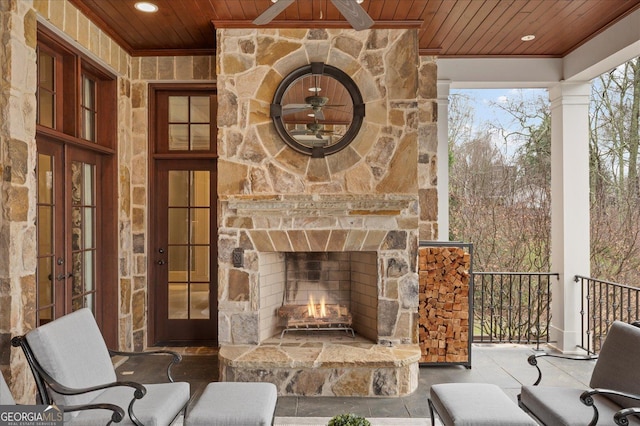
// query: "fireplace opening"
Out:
[309,292]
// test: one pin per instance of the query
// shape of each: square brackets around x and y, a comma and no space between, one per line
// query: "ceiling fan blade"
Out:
[293,108]
[273,11]
[354,13]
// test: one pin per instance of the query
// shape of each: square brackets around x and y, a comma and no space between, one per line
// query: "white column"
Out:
[570,237]
[443,159]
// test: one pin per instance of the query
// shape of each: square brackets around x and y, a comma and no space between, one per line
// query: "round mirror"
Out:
[317,109]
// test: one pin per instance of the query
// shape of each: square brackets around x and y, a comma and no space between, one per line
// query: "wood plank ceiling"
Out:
[448,28]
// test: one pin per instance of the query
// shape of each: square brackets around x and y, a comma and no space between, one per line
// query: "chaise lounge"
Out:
[615,384]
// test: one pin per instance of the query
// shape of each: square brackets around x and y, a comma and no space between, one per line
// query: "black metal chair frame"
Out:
[44,383]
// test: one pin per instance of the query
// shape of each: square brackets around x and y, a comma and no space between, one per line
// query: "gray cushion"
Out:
[234,404]
[464,404]
[5,394]
[617,365]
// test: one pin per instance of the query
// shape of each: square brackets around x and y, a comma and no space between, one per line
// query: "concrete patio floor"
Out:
[502,364]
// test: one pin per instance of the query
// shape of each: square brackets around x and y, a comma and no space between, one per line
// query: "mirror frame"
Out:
[318,68]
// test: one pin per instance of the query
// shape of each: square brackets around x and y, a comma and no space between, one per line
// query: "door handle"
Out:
[61,277]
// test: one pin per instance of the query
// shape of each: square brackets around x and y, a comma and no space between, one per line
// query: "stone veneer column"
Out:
[428,148]
[17,188]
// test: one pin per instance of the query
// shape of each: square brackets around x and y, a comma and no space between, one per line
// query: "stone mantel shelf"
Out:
[349,204]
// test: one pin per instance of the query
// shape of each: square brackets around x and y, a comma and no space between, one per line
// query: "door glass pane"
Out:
[45,224]
[199,189]
[189,217]
[45,179]
[178,261]
[178,188]
[178,301]
[45,281]
[178,225]
[200,226]
[199,263]
[83,228]
[199,297]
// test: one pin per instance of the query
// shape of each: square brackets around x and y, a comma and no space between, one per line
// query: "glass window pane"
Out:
[200,263]
[200,226]
[178,137]
[45,70]
[200,109]
[178,109]
[88,125]
[200,139]
[45,179]
[45,230]
[88,92]
[45,108]
[178,188]
[199,301]
[200,189]
[178,261]
[178,226]
[178,301]
[45,316]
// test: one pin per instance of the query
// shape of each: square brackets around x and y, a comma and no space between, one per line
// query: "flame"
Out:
[312,308]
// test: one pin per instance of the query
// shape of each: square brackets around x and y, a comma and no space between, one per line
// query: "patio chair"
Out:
[6,399]
[72,366]
[615,384]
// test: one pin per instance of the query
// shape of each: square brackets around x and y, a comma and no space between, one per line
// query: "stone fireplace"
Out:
[370,202]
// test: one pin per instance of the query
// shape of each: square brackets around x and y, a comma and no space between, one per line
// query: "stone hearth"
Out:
[332,364]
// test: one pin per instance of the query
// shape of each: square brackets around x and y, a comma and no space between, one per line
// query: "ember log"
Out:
[443,310]
[298,316]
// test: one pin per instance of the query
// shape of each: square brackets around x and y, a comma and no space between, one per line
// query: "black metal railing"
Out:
[512,307]
[602,303]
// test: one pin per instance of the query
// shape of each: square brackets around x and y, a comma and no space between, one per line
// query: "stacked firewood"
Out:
[443,324]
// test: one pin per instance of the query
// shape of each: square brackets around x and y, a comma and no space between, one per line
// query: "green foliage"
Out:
[348,420]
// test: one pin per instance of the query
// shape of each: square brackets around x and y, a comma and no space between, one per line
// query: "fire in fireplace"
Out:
[316,317]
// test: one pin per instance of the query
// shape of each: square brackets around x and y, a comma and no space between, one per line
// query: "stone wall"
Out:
[297,198]
[17,187]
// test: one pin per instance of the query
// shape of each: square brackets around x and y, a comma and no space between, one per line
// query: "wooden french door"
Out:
[68,235]
[183,256]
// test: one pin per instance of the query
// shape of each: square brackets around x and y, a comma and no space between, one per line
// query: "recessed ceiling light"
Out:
[528,37]
[144,6]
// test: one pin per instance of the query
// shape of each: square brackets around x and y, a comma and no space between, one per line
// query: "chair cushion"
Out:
[71,349]
[5,394]
[234,404]
[617,364]
[158,407]
[562,406]
[477,404]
